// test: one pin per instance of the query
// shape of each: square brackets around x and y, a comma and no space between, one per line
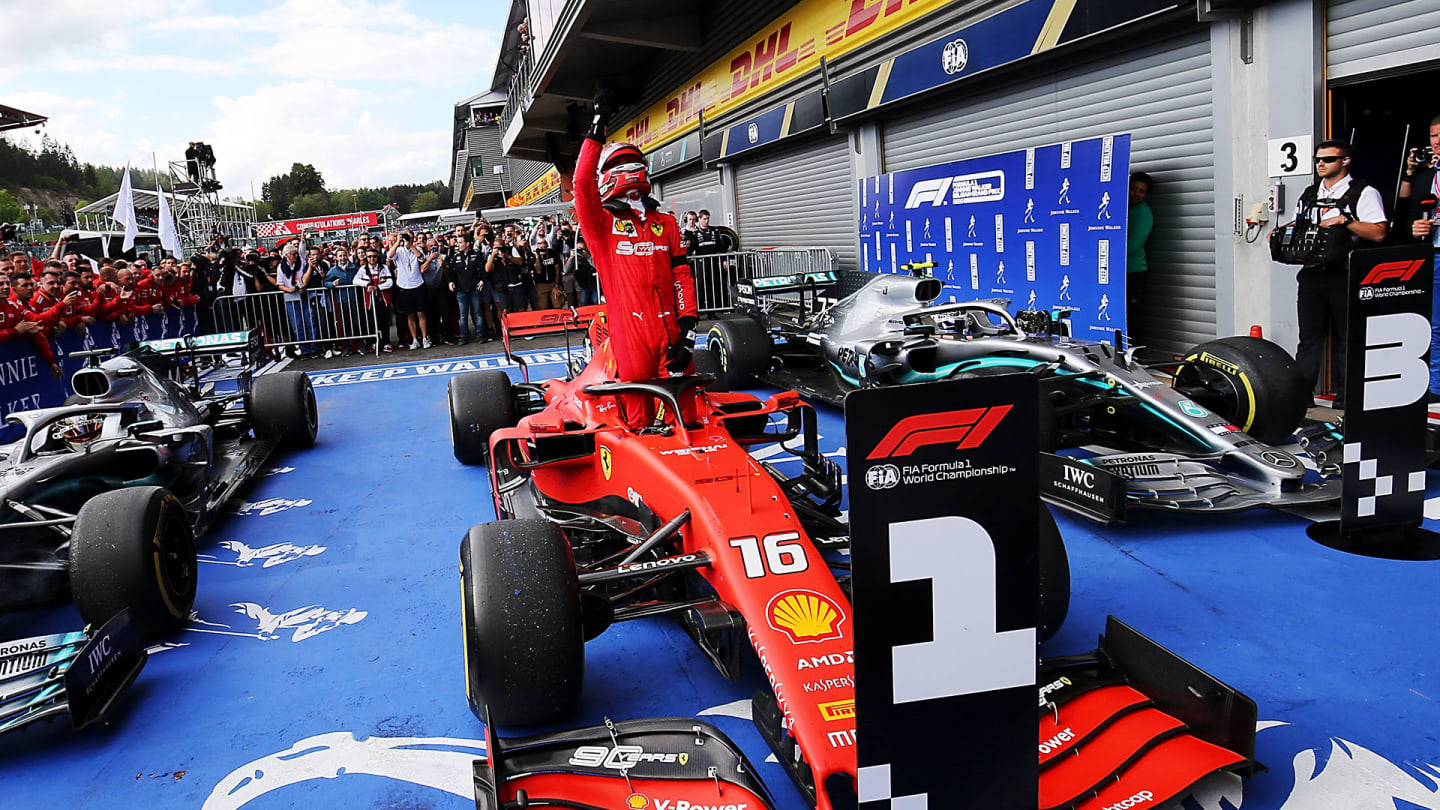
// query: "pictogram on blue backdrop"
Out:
[1043,227]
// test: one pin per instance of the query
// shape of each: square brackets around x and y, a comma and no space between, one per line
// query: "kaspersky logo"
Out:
[805,616]
[964,430]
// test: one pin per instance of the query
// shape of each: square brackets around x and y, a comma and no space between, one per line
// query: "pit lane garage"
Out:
[322,665]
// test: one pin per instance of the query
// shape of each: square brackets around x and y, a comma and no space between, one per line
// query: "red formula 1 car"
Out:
[601,523]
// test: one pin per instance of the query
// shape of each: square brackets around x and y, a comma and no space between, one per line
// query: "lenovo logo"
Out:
[1392,271]
[965,429]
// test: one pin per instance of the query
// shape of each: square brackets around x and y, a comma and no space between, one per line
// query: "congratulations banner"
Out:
[297,227]
[1043,227]
[27,384]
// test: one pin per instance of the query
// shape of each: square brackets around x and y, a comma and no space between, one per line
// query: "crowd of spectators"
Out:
[409,289]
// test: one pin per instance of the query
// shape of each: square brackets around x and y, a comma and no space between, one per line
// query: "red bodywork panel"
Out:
[762,562]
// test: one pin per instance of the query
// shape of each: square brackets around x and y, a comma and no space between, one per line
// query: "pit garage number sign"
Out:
[944,517]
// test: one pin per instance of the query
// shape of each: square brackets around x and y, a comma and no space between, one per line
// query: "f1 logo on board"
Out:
[968,429]
[1392,271]
[962,190]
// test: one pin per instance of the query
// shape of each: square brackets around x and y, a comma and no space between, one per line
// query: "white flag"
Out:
[125,211]
[169,238]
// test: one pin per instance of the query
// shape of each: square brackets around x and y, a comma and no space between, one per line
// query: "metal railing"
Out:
[716,273]
[345,318]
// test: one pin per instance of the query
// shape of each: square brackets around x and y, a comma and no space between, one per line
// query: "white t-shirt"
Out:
[1369,208]
[407,269]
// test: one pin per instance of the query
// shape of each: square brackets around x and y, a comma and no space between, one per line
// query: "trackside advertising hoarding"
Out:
[1044,228]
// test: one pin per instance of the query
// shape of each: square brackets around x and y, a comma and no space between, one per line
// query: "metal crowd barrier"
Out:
[338,317]
[716,273]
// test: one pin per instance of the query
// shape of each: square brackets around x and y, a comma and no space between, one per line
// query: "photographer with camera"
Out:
[1422,187]
[578,280]
[1335,215]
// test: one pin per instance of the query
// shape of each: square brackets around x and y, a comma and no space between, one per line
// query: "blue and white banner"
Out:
[1042,227]
[26,382]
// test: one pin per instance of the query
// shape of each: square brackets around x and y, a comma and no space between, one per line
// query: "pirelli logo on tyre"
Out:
[1211,360]
[838,710]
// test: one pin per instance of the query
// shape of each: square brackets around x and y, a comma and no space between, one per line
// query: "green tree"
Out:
[311,205]
[305,179]
[425,201]
[10,211]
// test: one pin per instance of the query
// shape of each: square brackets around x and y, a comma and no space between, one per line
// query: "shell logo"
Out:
[805,616]
[637,801]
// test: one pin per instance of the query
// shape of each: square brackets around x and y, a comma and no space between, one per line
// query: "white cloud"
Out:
[360,88]
[353,137]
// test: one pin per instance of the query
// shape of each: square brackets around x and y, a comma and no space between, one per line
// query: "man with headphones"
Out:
[1337,200]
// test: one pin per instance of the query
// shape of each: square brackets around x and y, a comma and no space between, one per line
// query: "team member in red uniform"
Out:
[639,255]
[16,320]
[47,304]
[146,297]
[174,293]
[78,311]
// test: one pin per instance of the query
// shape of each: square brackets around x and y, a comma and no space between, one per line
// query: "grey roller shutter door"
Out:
[802,195]
[689,182]
[1366,36]
[1161,95]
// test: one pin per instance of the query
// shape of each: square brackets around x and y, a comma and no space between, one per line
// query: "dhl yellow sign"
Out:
[786,49]
[545,184]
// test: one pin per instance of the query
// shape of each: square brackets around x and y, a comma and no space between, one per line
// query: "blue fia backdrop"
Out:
[323,667]
[1041,227]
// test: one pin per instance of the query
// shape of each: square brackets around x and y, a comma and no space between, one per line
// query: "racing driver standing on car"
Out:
[640,257]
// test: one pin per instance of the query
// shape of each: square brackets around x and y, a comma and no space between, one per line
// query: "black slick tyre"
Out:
[1054,566]
[481,402]
[1252,382]
[133,548]
[707,362]
[282,407]
[524,640]
[742,347]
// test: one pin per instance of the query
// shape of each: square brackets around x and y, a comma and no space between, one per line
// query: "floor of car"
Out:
[323,665]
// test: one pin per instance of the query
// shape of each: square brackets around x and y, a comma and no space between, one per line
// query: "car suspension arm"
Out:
[661,534]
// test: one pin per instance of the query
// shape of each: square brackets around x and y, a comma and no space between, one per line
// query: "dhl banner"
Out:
[547,183]
[786,49]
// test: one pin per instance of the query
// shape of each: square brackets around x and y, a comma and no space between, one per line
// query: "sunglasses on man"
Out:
[1327,159]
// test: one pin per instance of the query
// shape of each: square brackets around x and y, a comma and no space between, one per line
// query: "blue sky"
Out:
[362,89]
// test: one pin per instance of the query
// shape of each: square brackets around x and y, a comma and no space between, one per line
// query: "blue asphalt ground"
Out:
[323,668]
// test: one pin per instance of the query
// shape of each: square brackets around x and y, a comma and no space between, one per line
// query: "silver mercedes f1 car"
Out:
[104,495]
[1198,434]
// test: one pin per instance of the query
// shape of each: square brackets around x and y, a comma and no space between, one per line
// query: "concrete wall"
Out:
[1279,94]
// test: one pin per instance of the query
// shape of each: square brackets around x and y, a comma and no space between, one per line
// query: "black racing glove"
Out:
[677,357]
[604,105]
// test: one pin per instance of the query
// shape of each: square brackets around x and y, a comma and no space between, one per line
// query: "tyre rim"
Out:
[312,416]
[175,558]
[1211,388]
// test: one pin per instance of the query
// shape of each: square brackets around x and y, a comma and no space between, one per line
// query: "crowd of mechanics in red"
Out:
[39,300]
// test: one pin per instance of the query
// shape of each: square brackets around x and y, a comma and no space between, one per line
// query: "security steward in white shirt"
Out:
[1340,201]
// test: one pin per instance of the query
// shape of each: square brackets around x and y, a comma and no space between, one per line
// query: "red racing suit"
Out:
[12,312]
[643,272]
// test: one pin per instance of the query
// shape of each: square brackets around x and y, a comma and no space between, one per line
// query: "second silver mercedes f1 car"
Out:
[1199,434]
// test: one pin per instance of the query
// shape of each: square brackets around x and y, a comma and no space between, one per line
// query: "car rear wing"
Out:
[546,322]
[81,674]
[222,343]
